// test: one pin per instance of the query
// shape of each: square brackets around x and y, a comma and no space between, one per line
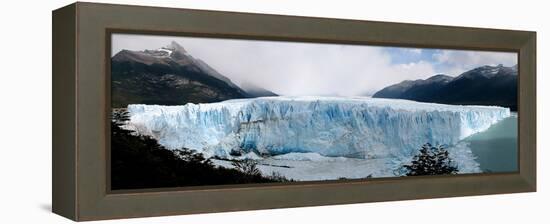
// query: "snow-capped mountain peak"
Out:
[168,52]
[488,71]
[175,47]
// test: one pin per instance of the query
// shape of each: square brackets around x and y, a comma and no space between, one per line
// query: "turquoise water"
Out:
[496,148]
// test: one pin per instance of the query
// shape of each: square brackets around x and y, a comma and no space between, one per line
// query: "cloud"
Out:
[293,68]
[415,50]
[455,62]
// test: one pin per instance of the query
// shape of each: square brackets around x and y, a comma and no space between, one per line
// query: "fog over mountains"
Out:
[317,69]
[171,76]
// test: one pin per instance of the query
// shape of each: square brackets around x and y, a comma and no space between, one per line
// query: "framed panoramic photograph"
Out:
[191,111]
[201,111]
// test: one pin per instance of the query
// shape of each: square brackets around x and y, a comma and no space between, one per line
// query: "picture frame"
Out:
[81,110]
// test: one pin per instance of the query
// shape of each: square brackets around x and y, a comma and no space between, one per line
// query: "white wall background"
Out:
[25,126]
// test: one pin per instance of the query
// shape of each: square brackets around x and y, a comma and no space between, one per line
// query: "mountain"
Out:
[256,91]
[486,85]
[419,88]
[167,76]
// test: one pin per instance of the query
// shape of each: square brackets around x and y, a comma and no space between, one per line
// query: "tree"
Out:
[431,160]
[190,155]
[247,166]
[120,116]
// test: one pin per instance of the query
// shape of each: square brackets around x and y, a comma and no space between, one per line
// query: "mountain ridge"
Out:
[485,85]
[167,76]
[256,91]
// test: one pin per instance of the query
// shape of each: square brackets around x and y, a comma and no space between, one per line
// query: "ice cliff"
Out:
[356,127]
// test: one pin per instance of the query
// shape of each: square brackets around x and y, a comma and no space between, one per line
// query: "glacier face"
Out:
[356,127]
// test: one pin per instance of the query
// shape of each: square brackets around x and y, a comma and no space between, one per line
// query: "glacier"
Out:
[339,127]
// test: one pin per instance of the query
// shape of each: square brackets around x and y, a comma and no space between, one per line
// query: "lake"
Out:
[496,148]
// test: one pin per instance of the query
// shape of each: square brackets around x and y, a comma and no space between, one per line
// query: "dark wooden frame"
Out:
[81,105]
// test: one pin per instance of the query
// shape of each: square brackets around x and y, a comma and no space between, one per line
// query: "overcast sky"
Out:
[293,68]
